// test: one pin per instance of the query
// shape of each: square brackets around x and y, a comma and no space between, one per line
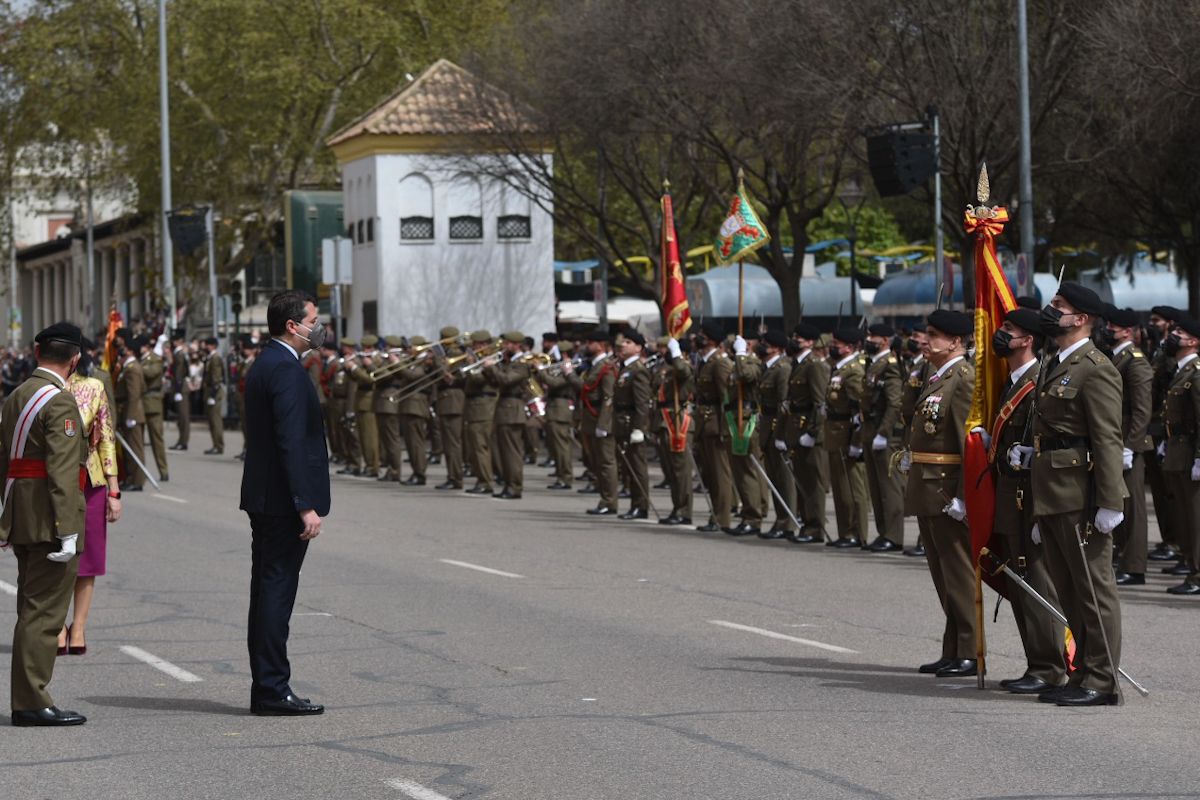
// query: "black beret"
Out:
[1190,325]
[807,331]
[1029,301]
[955,323]
[712,331]
[125,333]
[139,342]
[61,332]
[548,336]
[635,337]
[87,344]
[1122,317]
[1026,319]
[1081,298]
[918,327]
[179,333]
[849,335]
[246,340]
[882,329]
[211,340]
[775,339]
[597,336]
[1169,313]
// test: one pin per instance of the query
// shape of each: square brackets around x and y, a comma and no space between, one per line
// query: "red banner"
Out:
[674,291]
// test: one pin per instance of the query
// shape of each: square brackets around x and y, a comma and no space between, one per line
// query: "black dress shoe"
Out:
[663,485]
[559,486]
[884,545]
[164,479]
[602,511]
[934,666]
[51,717]
[589,489]
[1027,684]
[624,494]
[414,480]
[675,519]
[289,706]
[1179,569]
[1052,694]
[915,552]
[710,527]
[479,490]
[507,494]
[347,471]
[178,447]
[447,485]
[1079,696]
[958,668]
[845,544]
[742,529]
[1161,553]
[1185,588]
[132,489]
[634,513]
[773,533]
[435,460]
[387,476]
[804,538]
[1131,579]
[212,451]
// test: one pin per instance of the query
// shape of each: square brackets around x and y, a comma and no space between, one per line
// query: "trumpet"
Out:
[453,364]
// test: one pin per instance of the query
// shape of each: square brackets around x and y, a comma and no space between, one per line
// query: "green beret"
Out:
[448,332]
[348,343]
[481,336]
[370,340]
[393,341]
[514,337]
[566,346]
[417,341]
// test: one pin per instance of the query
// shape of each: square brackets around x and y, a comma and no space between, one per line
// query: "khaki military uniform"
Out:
[1077,469]
[37,510]
[1181,421]
[481,398]
[674,386]
[1165,508]
[179,390]
[385,406]
[414,417]
[1137,378]
[511,382]
[333,409]
[153,370]
[881,415]
[596,388]
[713,435]
[450,405]
[560,419]
[843,403]
[808,385]
[631,407]
[213,388]
[344,396]
[773,399]
[131,408]
[364,414]
[1041,635]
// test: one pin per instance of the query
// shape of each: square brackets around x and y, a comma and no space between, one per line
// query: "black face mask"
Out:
[1002,343]
[871,348]
[760,350]
[835,352]
[1171,344]
[913,346]
[1051,319]
[1106,338]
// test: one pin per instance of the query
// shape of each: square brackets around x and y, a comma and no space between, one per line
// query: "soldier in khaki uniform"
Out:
[180,392]
[213,389]
[510,379]
[386,407]
[1137,379]
[751,489]
[882,434]
[596,388]
[773,389]
[560,415]
[345,397]
[713,379]
[414,412]
[131,414]
[364,403]
[1181,464]
[43,509]
[1042,636]
[843,438]
[631,420]
[917,373]
[153,370]
[333,409]
[808,384]
[247,352]
[1080,491]
[450,405]
[934,493]
[480,410]
[674,386]
[1162,321]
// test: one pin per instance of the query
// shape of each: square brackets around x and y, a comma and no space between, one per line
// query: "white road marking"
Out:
[833,648]
[8,588]
[178,673]
[172,498]
[488,570]
[415,790]
[313,614]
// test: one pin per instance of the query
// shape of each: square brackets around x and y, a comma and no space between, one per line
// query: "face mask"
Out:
[871,348]
[1002,343]
[835,352]
[913,346]
[1051,322]
[1171,345]
[316,336]
[1107,338]
[761,351]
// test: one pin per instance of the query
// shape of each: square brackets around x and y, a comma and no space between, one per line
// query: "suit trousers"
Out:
[415,430]
[183,418]
[479,452]
[1042,636]
[947,551]
[368,440]
[276,555]
[604,470]
[751,488]
[158,445]
[811,467]
[44,591]
[848,479]
[1186,495]
[216,422]
[558,443]
[510,441]
[717,473]
[451,426]
[1131,536]
[137,446]
[887,493]
[1066,563]
[390,444]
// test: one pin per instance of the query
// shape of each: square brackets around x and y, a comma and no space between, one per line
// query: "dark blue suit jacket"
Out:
[287,462]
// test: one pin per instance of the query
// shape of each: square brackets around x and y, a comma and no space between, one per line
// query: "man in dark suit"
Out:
[285,491]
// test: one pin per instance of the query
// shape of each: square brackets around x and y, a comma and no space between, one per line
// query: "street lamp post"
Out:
[852,197]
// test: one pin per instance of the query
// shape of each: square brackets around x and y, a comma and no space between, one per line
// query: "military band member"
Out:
[180,391]
[1137,379]
[596,387]
[345,396]
[213,390]
[1017,341]
[480,411]
[560,414]
[934,493]
[773,389]
[154,370]
[333,410]
[631,420]
[364,405]
[131,413]
[713,380]
[386,407]
[1162,322]
[843,438]
[808,384]
[1181,466]
[882,434]
[450,405]
[510,379]
[673,386]
[414,411]
[917,375]
[1079,491]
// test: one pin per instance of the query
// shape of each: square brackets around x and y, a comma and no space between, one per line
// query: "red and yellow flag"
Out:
[674,291]
[109,359]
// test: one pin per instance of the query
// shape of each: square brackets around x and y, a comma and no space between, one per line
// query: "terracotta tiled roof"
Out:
[444,100]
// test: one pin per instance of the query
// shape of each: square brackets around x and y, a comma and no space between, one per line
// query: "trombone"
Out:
[452,364]
[403,361]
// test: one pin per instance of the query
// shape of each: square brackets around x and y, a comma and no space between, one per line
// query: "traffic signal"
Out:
[236,296]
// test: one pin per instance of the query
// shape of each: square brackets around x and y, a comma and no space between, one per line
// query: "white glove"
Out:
[1162,449]
[1107,519]
[855,451]
[806,440]
[1036,534]
[880,442]
[1019,456]
[956,510]
[987,437]
[856,420]
[673,348]
[1196,469]
[1126,458]
[349,415]
[636,436]
[130,423]
[212,401]
[739,346]
[781,445]
[178,397]
[601,433]
[906,462]
[554,353]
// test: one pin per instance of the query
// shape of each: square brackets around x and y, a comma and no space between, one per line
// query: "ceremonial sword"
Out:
[136,460]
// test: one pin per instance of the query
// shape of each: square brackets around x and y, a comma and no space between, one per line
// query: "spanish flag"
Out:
[674,291]
[108,360]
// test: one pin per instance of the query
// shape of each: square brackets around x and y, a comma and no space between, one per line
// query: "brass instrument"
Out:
[452,365]
[404,360]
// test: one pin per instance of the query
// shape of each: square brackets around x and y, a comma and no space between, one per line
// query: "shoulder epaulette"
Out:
[1096,357]
[1136,353]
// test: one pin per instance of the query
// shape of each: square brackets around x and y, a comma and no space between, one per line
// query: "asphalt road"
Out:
[588,659]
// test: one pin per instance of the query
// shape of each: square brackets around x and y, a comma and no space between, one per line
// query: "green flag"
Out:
[741,233]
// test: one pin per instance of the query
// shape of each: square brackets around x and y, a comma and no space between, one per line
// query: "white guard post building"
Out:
[440,234]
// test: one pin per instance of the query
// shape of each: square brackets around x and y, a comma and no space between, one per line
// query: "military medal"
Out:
[930,428]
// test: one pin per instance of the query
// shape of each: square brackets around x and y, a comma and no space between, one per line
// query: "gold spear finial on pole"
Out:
[983,189]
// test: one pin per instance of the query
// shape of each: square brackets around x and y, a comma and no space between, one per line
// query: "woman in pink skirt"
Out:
[102,496]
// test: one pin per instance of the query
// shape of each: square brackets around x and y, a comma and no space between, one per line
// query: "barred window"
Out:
[416,228]
[466,227]
[370,229]
[513,226]
[360,232]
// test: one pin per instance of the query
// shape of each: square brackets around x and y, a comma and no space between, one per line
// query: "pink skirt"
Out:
[95,532]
